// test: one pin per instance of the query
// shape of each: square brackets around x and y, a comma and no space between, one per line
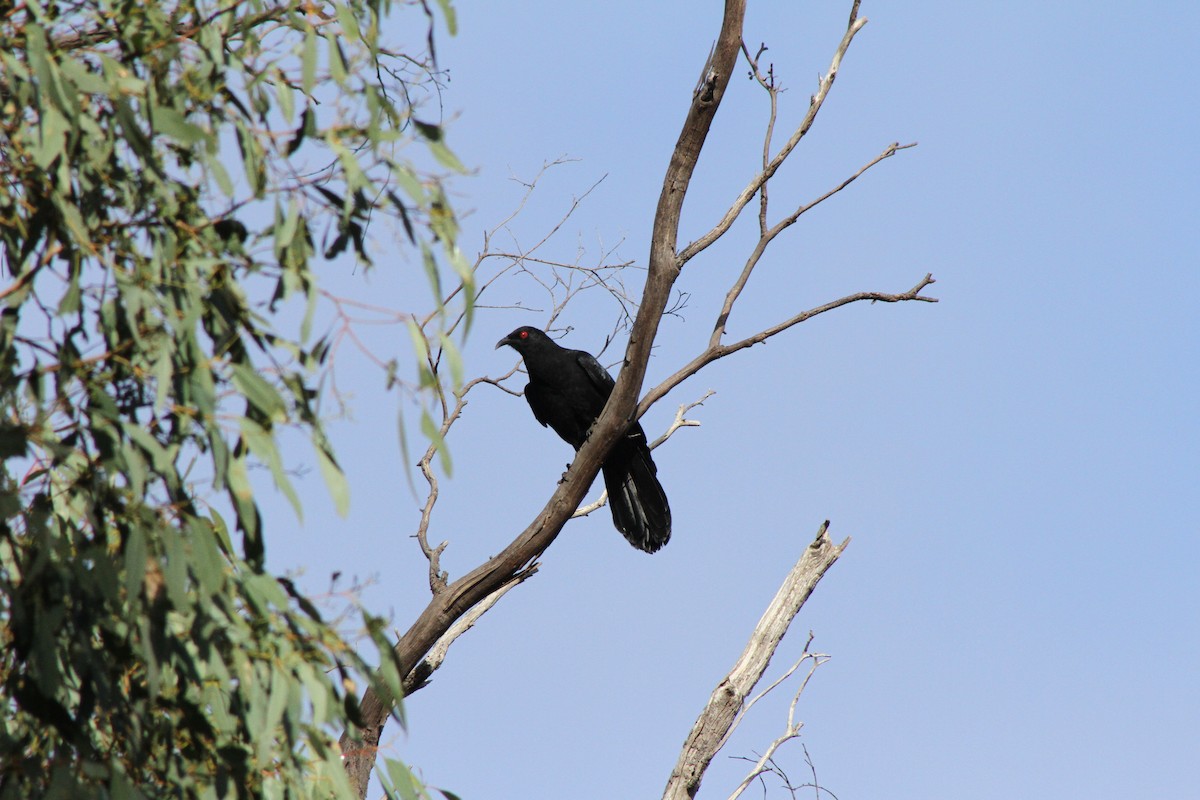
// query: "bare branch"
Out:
[487,254]
[719,715]
[747,194]
[821,657]
[768,235]
[437,577]
[766,762]
[418,678]
[880,297]
[680,421]
[716,351]
[767,82]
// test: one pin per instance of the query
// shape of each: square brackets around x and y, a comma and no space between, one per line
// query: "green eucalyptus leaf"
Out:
[450,16]
[335,479]
[262,444]
[259,392]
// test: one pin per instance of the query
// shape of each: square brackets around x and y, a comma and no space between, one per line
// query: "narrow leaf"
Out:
[335,479]
[258,392]
[262,444]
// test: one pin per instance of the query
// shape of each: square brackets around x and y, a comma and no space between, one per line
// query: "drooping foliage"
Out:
[171,176]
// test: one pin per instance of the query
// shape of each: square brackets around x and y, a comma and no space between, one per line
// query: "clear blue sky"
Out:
[1018,612]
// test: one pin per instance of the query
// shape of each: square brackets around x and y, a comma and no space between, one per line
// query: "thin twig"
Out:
[718,351]
[815,103]
[768,235]
[437,577]
[679,422]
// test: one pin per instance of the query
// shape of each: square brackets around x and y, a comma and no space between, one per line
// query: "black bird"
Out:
[567,390]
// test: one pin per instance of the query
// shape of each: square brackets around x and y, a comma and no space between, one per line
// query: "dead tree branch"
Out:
[712,728]
[766,762]
[768,235]
[717,351]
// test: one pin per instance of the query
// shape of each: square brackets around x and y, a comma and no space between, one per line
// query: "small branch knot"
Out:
[706,91]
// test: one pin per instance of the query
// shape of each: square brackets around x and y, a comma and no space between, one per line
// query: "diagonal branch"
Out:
[418,678]
[719,715]
[459,597]
[717,351]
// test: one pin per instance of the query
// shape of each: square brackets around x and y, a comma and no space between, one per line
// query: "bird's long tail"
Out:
[639,505]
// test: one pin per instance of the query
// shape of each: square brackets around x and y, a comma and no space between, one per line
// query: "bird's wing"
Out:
[536,398]
[597,374]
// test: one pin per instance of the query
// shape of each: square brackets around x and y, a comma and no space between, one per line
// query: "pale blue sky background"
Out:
[1017,614]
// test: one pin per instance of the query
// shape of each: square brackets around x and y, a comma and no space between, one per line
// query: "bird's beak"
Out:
[503,342]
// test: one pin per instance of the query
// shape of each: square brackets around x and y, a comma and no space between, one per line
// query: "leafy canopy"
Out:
[170,175]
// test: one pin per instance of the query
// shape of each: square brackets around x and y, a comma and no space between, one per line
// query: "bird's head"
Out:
[522,338]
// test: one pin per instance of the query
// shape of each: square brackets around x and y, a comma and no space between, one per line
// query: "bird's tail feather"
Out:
[639,504]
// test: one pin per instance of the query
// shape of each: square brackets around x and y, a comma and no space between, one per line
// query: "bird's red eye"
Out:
[523,335]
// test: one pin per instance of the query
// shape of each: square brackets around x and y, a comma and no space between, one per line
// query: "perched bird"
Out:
[567,390]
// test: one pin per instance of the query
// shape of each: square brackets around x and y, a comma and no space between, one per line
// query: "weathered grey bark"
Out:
[709,733]
[451,602]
